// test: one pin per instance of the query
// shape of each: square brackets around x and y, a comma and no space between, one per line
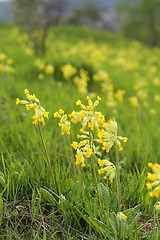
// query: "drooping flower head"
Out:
[64,123]
[107,168]
[33,102]
[154,178]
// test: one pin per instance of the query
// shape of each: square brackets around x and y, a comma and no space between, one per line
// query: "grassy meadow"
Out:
[53,185]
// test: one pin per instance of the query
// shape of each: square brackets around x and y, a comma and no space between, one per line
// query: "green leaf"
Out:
[47,196]
[69,184]
[99,226]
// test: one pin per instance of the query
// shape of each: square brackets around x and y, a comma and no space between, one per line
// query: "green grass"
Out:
[31,210]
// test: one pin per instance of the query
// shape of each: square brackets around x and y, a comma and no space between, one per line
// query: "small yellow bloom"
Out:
[74,144]
[149,185]
[28,106]
[151,177]
[49,69]
[78,103]
[18,101]
[61,111]
[121,216]
[56,114]
[26,91]
[125,139]
[46,114]
[88,153]
[39,111]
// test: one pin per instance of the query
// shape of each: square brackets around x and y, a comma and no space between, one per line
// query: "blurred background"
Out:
[137,19]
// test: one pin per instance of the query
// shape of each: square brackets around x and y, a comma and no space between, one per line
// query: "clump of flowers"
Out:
[88,117]
[154,178]
[68,71]
[108,136]
[94,131]
[64,123]
[81,81]
[33,102]
[107,168]
[45,69]
[49,69]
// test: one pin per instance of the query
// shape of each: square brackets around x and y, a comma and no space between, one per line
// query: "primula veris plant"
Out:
[38,118]
[34,103]
[154,178]
[93,130]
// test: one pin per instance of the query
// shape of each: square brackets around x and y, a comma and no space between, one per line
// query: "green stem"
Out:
[118,179]
[95,178]
[47,158]
[93,168]
[72,156]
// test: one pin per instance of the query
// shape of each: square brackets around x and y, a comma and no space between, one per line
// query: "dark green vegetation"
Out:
[31,210]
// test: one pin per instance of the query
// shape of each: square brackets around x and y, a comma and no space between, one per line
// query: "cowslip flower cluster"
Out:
[107,168]
[68,71]
[89,120]
[88,117]
[81,81]
[154,178]
[94,130]
[108,136]
[34,103]
[64,123]
[85,148]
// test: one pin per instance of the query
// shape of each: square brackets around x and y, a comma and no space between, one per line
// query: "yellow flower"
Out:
[78,102]
[154,177]
[64,123]
[49,69]
[88,153]
[26,91]
[56,114]
[74,145]
[39,111]
[68,71]
[28,106]
[108,168]
[108,136]
[79,158]
[121,216]
[18,101]
[134,102]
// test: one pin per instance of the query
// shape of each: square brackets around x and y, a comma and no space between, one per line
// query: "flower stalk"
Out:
[118,179]
[47,158]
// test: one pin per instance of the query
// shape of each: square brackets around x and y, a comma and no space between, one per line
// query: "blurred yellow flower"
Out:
[154,178]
